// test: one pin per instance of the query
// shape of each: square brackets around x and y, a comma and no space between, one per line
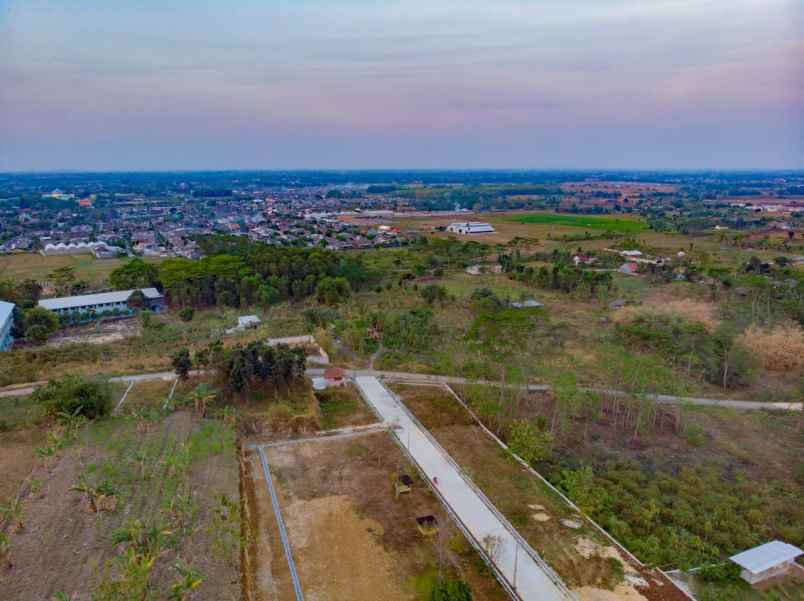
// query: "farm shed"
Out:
[770,560]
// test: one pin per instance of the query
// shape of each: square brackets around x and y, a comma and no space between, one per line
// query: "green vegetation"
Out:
[74,396]
[612,224]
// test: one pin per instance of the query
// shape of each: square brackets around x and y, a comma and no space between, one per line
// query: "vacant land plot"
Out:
[147,395]
[35,266]
[127,510]
[610,224]
[352,538]
[580,554]
[343,406]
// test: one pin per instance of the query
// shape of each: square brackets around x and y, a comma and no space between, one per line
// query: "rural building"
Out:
[470,227]
[101,250]
[479,269]
[334,376]
[771,560]
[527,304]
[104,302]
[248,321]
[6,321]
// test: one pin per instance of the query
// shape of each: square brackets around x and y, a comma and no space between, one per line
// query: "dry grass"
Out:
[686,309]
[780,348]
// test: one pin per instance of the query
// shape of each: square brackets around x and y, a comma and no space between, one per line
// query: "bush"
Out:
[727,571]
[75,395]
[451,590]
[186,313]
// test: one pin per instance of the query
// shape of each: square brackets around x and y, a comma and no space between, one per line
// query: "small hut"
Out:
[772,560]
[334,376]
[403,484]
[427,525]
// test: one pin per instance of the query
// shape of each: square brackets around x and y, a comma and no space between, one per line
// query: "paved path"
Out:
[429,379]
[515,560]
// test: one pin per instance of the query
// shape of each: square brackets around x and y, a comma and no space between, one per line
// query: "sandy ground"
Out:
[326,530]
[350,537]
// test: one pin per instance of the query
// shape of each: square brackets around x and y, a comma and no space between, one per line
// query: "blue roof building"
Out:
[6,321]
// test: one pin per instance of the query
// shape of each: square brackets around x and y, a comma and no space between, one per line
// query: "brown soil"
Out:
[17,459]
[64,547]
[351,538]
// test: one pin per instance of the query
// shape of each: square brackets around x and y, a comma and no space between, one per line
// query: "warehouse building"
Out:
[119,301]
[470,227]
[6,321]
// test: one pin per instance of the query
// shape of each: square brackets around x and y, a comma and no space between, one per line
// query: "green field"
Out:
[35,266]
[612,224]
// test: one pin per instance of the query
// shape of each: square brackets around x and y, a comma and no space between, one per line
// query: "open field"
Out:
[338,502]
[624,225]
[343,406]
[581,555]
[125,509]
[22,266]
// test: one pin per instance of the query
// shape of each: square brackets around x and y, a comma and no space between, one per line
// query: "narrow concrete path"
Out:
[430,379]
[436,380]
[527,576]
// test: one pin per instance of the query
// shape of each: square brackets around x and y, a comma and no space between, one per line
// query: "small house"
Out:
[527,304]
[771,560]
[245,322]
[334,376]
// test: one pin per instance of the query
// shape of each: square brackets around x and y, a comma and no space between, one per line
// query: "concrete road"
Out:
[516,561]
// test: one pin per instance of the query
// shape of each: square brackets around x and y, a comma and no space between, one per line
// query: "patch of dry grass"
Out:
[780,348]
[686,309]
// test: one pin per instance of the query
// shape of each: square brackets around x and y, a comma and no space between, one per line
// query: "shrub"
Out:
[186,313]
[451,590]
[720,572]
[779,349]
[530,443]
[75,395]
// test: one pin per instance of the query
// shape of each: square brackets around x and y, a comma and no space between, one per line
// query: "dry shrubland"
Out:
[780,348]
[686,309]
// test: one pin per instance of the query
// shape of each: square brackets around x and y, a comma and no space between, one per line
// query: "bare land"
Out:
[351,538]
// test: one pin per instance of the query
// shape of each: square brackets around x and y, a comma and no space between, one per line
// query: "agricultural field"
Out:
[125,508]
[622,225]
[94,271]
[337,499]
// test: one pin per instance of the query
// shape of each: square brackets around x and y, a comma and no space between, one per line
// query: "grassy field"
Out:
[33,265]
[612,224]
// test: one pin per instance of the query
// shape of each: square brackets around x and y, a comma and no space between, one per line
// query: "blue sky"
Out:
[91,84]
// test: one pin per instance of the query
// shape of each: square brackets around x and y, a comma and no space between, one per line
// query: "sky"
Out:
[369,84]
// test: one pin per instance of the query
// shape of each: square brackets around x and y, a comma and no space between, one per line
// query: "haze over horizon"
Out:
[445,84]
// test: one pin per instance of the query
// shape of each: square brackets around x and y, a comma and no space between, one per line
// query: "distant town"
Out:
[159,215]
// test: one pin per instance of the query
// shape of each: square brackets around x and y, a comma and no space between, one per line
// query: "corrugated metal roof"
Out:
[6,311]
[766,556]
[118,296]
